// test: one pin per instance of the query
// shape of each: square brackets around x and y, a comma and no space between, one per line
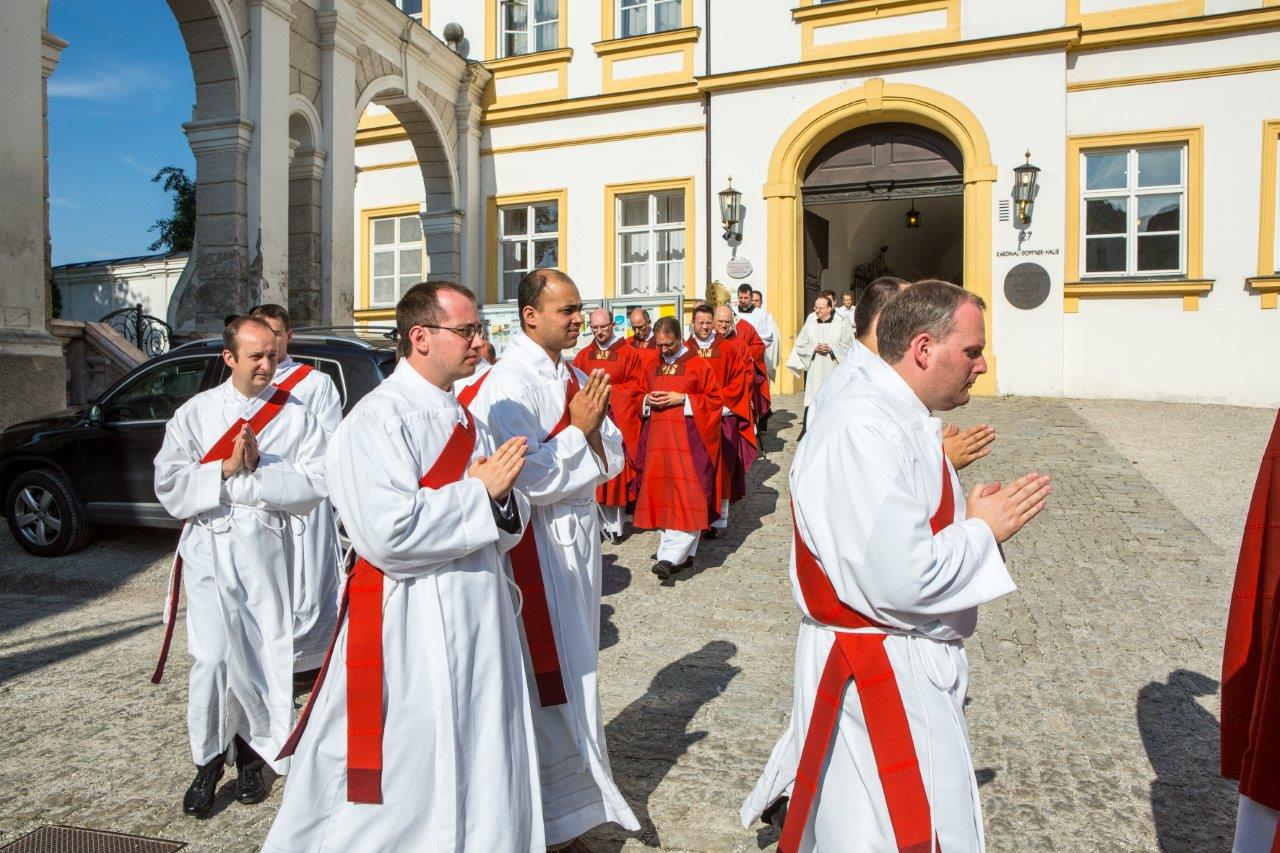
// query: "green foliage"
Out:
[178,232]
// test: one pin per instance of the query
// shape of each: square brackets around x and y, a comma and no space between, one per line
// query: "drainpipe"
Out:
[706,133]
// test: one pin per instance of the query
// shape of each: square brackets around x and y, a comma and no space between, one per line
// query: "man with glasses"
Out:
[573,448]
[609,352]
[313,590]
[419,734]
[641,329]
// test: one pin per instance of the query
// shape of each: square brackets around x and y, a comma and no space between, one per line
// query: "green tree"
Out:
[177,232]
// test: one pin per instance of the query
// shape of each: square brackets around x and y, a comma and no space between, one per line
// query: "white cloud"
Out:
[115,80]
[60,201]
[135,163]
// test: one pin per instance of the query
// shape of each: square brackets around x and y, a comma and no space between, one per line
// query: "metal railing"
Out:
[149,334]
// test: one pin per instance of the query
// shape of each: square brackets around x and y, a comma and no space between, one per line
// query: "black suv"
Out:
[61,474]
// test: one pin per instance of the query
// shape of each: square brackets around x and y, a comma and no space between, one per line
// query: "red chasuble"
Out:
[1251,660]
[729,360]
[624,365]
[761,396]
[679,455]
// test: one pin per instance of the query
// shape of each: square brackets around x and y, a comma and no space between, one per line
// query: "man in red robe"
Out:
[761,397]
[679,448]
[1250,729]
[729,361]
[609,352]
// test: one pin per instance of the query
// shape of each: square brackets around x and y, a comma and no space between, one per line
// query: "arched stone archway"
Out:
[874,102]
[430,122]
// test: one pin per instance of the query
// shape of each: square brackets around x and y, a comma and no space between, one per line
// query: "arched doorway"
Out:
[943,128]
[857,194]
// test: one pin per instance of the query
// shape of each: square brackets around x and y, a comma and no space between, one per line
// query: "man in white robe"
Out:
[572,449]
[819,349]
[845,309]
[316,579]
[242,464]
[889,577]
[458,767]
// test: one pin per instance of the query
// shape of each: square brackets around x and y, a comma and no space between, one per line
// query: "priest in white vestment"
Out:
[573,448]
[819,348]
[865,318]
[889,577]
[237,552]
[317,579]
[458,767]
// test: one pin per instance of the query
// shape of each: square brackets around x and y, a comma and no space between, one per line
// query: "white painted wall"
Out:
[91,292]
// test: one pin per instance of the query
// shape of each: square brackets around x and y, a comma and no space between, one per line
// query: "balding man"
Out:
[608,351]
[572,448]
[241,465]
[889,576]
[761,396]
[641,329]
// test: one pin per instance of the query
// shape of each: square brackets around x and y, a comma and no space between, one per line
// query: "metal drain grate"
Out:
[73,839]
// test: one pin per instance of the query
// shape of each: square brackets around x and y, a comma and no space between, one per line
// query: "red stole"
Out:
[861,658]
[536,614]
[468,394]
[361,608]
[1250,731]
[221,451]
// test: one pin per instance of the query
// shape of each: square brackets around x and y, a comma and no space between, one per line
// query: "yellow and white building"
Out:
[609,127]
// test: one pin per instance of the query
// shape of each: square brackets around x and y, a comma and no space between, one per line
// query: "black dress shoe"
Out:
[711,533]
[663,569]
[251,786]
[687,564]
[199,797]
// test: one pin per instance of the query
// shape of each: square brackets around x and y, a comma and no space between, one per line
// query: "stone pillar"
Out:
[339,40]
[220,284]
[468,112]
[33,375]
[268,182]
[306,176]
[442,233]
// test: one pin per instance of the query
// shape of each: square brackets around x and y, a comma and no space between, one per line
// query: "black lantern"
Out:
[912,218]
[731,211]
[1024,189]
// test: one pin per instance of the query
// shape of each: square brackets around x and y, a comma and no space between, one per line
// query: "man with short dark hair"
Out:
[889,576]
[731,365]
[845,309]
[239,464]
[314,589]
[750,309]
[682,444]
[572,448]
[419,735]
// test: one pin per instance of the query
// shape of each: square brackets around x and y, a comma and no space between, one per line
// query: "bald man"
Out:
[608,351]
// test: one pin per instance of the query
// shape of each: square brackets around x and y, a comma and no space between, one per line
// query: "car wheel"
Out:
[44,514]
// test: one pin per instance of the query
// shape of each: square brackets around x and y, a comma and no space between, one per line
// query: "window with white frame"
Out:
[528,26]
[412,8]
[528,239]
[651,243]
[641,17]
[395,257]
[1134,211]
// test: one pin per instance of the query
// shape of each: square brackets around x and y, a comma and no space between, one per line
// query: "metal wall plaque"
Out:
[738,268]
[1026,286]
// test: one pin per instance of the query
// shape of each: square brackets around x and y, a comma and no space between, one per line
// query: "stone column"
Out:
[442,233]
[339,40]
[33,375]
[268,181]
[306,176]
[469,112]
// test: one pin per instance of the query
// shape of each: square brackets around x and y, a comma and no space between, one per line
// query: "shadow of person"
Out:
[649,736]
[615,577]
[1192,805]
[608,630]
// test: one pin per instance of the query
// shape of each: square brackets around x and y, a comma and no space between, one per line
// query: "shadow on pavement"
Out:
[649,736]
[1192,805]
[20,663]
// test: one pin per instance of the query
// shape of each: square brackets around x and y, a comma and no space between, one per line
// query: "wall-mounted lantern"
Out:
[1024,189]
[912,218]
[731,211]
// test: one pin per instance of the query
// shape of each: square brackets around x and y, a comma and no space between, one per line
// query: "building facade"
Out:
[1148,266]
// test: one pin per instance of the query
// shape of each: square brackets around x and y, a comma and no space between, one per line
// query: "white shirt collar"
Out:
[705,344]
[896,387]
[609,345]
[673,359]
[523,348]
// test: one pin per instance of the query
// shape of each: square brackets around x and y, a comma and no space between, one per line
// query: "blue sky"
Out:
[117,101]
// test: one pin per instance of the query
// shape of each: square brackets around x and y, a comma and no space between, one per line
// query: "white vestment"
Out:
[316,581]
[1255,827]
[525,395]
[875,544]
[459,763]
[238,549]
[845,314]
[803,361]
[848,371]
[762,321]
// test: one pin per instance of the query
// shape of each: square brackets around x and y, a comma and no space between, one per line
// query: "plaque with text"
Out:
[1026,286]
[738,268]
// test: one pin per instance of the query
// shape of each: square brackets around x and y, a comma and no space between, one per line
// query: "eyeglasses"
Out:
[467,332]
[601,328]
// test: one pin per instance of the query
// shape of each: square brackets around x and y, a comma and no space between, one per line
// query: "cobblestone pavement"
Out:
[1094,701]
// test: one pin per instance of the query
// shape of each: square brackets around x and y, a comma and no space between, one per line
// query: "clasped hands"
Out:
[244,453]
[663,399]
